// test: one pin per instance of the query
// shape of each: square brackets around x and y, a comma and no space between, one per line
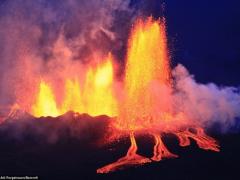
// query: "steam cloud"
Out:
[206,103]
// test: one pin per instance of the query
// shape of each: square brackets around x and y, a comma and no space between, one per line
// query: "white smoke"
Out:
[205,103]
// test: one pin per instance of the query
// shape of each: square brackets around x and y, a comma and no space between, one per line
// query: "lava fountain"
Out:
[94,96]
[148,105]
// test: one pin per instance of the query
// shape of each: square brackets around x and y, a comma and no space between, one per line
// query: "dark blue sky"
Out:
[204,36]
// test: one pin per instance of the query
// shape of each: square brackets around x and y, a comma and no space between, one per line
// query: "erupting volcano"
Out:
[142,103]
[148,104]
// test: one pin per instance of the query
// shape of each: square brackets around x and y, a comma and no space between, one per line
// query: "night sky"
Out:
[204,36]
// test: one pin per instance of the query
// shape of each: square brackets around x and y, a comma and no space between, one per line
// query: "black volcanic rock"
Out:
[68,147]
[52,129]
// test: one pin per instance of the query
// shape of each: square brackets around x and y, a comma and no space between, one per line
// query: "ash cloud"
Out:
[43,37]
[207,104]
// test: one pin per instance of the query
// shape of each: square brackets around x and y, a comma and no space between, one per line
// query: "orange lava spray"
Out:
[147,71]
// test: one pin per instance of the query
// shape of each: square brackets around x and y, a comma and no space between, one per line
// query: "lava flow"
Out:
[143,103]
[131,158]
[147,106]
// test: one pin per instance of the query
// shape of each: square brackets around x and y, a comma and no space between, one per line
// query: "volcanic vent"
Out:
[142,103]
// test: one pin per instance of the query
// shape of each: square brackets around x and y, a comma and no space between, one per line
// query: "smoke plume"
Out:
[208,104]
[39,38]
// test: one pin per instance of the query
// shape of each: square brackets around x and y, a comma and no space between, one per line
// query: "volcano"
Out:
[81,120]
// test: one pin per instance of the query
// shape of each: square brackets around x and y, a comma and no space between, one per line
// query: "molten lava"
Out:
[160,151]
[203,141]
[147,71]
[131,158]
[146,103]
[45,103]
[98,92]
[95,97]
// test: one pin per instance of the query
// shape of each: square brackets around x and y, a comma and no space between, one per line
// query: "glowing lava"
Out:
[160,151]
[203,141]
[98,92]
[46,103]
[147,73]
[148,104]
[94,97]
[131,158]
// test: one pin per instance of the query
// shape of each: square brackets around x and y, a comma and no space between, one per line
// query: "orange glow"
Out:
[142,102]
[203,141]
[160,151]
[131,158]
[45,103]
[98,90]
[95,97]
[72,99]
[147,70]
[147,105]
